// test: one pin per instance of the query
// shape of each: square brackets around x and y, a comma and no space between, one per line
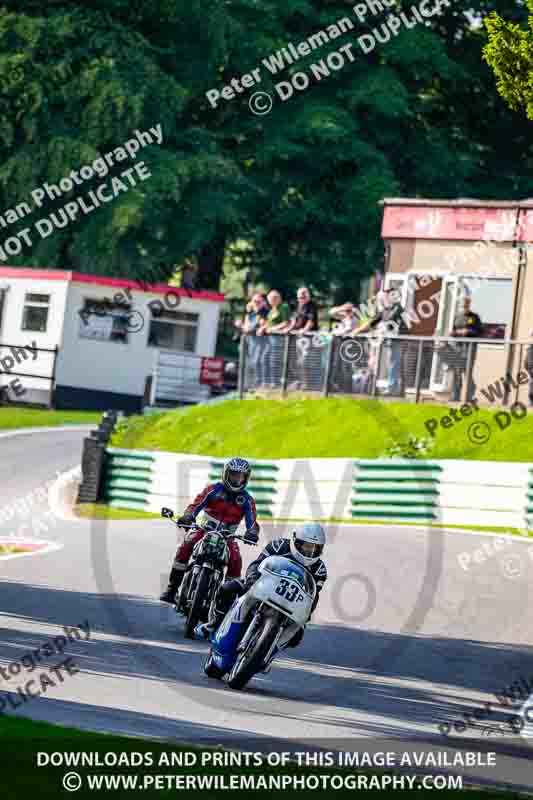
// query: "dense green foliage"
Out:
[419,115]
[510,54]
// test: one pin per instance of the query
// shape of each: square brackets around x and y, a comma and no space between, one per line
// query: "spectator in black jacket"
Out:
[467,325]
[305,320]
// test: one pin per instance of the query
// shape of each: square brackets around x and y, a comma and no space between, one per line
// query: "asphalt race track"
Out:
[404,638]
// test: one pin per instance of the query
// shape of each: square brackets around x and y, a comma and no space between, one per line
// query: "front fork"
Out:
[288,633]
[184,593]
[216,581]
[284,635]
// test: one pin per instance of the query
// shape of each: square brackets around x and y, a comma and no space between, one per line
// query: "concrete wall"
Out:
[401,255]
[498,260]
[451,492]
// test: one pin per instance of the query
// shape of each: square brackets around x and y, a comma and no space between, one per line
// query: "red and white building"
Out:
[110,335]
[480,248]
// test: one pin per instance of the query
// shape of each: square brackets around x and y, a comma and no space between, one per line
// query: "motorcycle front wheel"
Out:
[197,603]
[251,661]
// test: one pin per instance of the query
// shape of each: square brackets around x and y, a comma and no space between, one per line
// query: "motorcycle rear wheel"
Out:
[251,661]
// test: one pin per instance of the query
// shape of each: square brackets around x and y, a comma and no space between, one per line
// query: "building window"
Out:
[35,313]
[174,330]
[104,320]
[492,299]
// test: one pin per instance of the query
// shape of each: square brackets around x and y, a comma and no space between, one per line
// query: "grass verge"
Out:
[320,428]
[101,511]
[15,417]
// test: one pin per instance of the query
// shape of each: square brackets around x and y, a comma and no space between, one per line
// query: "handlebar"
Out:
[243,539]
[237,536]
[240,537]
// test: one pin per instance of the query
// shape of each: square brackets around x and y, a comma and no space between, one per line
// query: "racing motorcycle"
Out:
[205,572]
[261,622]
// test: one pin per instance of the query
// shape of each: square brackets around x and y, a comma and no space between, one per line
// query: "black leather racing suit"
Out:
[230,590]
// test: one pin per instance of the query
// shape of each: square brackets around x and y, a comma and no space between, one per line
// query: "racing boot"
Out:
[208,629]
[174,582]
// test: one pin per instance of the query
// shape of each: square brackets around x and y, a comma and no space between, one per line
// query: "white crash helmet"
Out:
[307,543]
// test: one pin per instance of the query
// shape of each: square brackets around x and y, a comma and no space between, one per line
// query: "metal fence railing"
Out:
[451,369]
[176,379]
[27,374]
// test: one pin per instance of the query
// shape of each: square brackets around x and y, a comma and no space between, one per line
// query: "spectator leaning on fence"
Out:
[346,320]
[276,323]
[467,325]
[254,322]
[390,323]
[346,323]
[304,320]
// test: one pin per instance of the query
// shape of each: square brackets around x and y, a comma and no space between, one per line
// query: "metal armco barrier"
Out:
[127,479]
[451,492]
[403,490]
[529,500]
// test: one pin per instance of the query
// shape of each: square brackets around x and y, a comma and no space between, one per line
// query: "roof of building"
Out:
[460,202]
[104,280]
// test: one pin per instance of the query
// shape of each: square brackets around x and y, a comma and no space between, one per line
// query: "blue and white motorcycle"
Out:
[261,622]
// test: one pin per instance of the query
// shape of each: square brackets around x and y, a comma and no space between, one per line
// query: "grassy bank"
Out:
[322,428]
[15,417]
[22,777]
[101,511]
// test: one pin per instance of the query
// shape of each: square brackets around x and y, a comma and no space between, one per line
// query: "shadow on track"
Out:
[324,680]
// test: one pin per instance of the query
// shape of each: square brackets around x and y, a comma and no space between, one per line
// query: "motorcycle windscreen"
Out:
[288,568]
[286,587]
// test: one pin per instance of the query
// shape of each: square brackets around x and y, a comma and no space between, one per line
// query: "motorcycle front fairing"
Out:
[284,586]
[287,587]
[226,640]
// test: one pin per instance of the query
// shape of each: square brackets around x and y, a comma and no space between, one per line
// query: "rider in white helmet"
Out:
[305,546]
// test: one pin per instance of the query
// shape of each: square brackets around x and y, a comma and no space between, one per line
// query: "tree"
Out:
[417,116]
[77,82]
[510,54]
